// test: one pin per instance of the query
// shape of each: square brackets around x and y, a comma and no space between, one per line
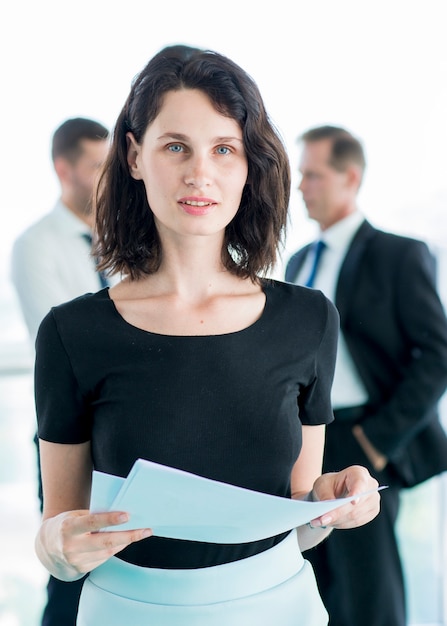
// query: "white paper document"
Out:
[180,505]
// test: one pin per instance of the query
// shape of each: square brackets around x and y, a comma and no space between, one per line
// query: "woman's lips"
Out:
[197,206]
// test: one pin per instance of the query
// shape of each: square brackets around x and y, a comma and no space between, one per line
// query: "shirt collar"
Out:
[339,236]
[72,221]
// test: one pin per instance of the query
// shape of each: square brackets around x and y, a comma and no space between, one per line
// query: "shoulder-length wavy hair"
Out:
[128,241]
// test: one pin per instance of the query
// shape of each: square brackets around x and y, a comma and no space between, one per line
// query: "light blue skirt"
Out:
[274,588]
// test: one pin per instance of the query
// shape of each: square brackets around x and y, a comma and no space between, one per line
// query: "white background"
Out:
[379,68]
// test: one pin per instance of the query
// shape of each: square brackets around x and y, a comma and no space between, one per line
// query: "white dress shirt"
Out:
[51,264]
[347,389]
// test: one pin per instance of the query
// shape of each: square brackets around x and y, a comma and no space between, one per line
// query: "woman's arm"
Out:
[308,484]
[68,543]
[305,472]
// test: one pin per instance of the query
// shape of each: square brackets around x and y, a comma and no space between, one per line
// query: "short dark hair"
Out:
[68,136]
[346,149]
[128,241]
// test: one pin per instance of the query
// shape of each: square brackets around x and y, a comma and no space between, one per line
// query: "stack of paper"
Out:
[180,505]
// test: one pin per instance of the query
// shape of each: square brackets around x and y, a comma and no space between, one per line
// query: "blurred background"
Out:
[378,68]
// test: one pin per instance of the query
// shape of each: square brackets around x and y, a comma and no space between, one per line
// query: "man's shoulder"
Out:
[47,224]
[51,232]
[393,241]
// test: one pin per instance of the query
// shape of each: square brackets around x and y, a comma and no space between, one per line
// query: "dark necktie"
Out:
[101,275]
[318,248]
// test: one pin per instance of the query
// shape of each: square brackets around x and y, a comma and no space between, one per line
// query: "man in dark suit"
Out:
[391,371]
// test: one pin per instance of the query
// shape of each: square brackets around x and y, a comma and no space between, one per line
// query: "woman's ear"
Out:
[133,152]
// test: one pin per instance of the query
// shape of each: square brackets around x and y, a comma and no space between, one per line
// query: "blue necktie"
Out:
[101,275]
[318,248]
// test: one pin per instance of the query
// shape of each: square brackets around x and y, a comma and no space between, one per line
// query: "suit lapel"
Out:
[295,263]
[348,272]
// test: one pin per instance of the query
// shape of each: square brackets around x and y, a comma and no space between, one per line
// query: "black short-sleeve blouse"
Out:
[228,407]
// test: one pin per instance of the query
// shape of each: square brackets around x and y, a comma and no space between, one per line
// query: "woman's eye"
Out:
[175,147]
[223,150]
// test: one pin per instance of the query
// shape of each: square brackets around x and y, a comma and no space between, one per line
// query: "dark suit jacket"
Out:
[396,332]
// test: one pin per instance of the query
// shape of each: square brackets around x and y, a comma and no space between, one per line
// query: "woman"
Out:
[194,361]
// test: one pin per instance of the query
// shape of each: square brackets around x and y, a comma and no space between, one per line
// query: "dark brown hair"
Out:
[128,241]
[68,136]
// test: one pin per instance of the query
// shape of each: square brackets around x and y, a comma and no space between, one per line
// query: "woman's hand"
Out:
[69,544]
[351,481]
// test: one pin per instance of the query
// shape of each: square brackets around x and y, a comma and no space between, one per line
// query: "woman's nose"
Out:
[198,173]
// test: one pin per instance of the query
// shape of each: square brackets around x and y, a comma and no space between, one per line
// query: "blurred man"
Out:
[391,371]
[52,263]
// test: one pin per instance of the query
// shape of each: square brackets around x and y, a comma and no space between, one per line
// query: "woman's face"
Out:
[193,164]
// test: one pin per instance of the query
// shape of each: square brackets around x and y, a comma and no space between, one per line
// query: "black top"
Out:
[228,407]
